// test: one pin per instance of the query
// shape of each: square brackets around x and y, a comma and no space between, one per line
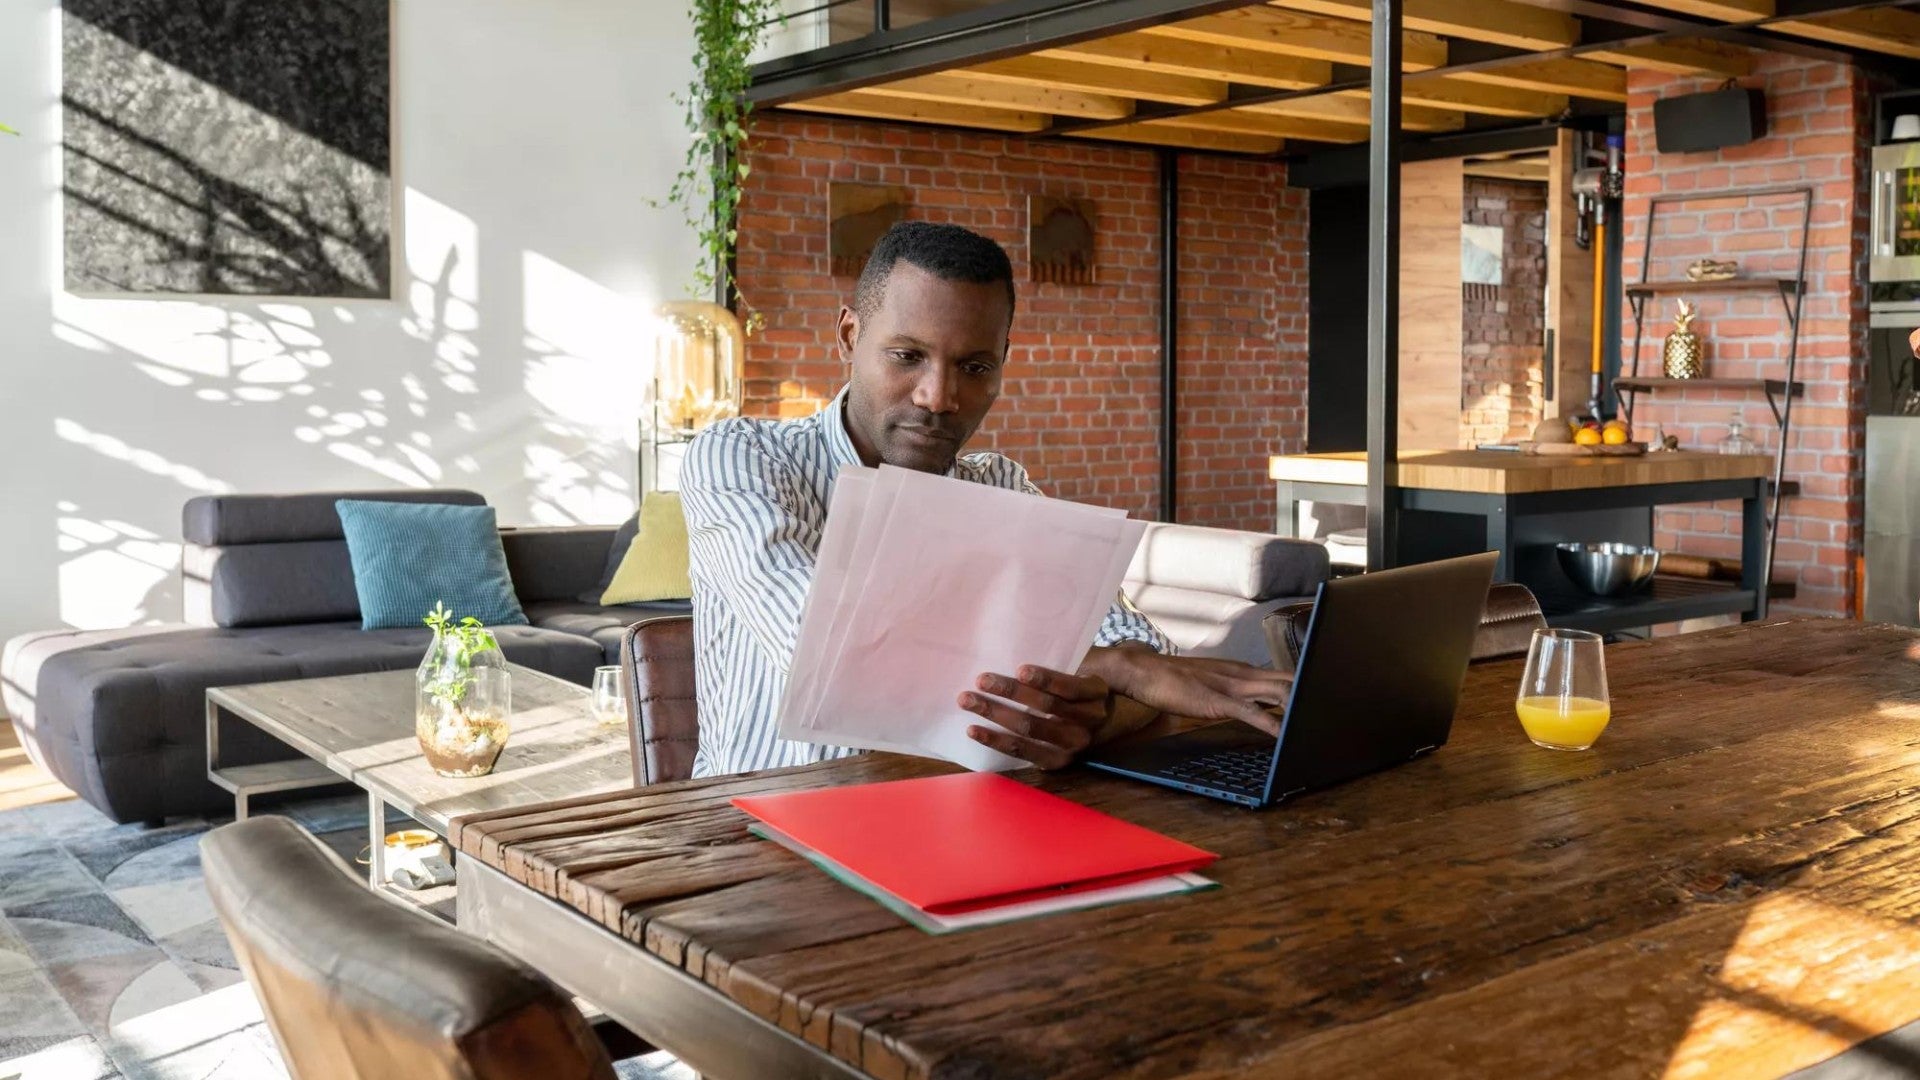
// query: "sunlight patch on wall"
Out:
[112,573]
[145,460]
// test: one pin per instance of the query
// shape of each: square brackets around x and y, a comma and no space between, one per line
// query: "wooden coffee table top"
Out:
[361,727]
[1723,886]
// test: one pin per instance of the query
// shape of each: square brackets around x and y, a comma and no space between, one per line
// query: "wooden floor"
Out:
[22,783]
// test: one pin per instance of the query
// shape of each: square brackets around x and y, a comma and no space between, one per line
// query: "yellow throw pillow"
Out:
[655,565]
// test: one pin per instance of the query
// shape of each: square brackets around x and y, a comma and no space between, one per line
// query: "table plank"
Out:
[1753,778]
[1493,472]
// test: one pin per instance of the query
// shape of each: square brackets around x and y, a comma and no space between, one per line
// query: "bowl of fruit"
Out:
[1587,438]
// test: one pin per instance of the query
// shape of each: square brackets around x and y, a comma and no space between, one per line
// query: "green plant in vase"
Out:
[462,696]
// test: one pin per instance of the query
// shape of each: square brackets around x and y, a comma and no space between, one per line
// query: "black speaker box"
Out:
[1709,121]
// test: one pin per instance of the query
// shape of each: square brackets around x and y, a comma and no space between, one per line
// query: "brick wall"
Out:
[1080,402]
[1503,334]
[1817,132]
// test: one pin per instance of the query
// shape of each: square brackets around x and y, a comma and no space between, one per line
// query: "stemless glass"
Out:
[609,702]
[1563,702]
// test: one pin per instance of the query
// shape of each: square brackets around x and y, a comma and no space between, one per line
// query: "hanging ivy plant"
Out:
[718,112]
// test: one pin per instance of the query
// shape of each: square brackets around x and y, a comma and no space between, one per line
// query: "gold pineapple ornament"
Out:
[1683,355]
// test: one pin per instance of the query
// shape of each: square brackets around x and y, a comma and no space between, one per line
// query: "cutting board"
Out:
[1627,449]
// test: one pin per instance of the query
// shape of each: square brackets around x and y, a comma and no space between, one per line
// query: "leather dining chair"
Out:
[663,720]
[1506,629]
[353,985]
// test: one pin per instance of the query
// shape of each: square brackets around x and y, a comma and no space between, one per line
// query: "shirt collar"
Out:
[839,443]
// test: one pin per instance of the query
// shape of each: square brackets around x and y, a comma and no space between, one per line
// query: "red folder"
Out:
[968,841]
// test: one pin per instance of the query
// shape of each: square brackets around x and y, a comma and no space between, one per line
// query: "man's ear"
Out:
[846,333]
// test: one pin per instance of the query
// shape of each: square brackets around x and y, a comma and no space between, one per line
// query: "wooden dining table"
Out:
[1727,884]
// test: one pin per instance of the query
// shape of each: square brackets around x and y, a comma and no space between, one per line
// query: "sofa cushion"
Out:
[622,540]
[604,625]
[210,520]
[120,716]
[297,581]
[1248,565]
[1209,623]
[407,559]
[657,564]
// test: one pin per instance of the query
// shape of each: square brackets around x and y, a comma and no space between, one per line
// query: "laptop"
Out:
[1376,685]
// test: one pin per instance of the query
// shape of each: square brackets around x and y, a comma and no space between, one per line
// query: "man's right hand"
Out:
[1205,688]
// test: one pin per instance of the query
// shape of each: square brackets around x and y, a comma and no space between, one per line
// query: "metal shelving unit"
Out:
[1780,393]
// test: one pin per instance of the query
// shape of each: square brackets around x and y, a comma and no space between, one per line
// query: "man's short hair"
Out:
[948,252]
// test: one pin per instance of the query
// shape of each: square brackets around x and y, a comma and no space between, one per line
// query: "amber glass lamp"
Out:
[699,365]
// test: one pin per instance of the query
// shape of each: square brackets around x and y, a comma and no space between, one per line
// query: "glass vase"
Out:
[698,367]
[462,698]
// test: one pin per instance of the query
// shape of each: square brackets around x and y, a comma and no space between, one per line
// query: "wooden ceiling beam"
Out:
[1176,56]
[871,106]
[1291,33]
[1448,92]
[1101,79]
[1243,122]
[1341,109]
[1162,134]
[1725,10]
[1575,78]
[1882,30]
[1681,57]
[1531,169]
[1502,22]
[1023,97]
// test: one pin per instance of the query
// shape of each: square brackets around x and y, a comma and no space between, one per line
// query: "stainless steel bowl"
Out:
[1608,569]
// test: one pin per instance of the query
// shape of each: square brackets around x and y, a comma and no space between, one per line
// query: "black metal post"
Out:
[882,16]
[1169,332]
[1383,288]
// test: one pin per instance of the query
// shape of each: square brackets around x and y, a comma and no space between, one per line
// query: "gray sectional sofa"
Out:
[119,716]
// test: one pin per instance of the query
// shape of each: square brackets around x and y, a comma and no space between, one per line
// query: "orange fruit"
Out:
[1587,436]
[1614,436]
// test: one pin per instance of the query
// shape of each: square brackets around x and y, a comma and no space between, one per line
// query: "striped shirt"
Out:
[756,494]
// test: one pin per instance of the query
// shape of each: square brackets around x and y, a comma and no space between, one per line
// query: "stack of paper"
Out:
[954,852]
[923,584]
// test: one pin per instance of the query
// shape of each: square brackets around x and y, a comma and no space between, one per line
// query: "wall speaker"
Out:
[1695,122]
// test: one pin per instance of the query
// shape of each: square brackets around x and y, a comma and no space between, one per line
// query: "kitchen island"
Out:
[1453,502]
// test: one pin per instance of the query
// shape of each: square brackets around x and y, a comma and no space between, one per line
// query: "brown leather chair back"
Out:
[355,986]
[656,662]
[1506,626]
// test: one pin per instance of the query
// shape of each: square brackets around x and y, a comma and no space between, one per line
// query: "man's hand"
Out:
[1200,687]
[1067,712]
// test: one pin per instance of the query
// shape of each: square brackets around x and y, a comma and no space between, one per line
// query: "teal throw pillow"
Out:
[409,556]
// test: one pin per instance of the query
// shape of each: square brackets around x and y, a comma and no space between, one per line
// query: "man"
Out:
[926,342]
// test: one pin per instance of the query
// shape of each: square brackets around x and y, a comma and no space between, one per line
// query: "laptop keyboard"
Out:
[1231,770]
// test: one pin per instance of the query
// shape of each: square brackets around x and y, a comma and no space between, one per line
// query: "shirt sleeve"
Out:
[1123,622]
[746,542]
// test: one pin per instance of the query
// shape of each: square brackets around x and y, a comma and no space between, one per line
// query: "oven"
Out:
[1895,240]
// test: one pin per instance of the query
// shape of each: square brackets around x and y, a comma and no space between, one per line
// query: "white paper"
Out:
[926,583]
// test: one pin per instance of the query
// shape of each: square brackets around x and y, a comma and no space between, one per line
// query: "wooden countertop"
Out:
[1497,472]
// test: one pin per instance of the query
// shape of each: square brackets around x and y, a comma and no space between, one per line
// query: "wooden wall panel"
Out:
[1430,309]
[1569,288]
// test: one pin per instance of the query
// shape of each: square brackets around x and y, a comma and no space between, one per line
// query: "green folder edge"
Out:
[914,915]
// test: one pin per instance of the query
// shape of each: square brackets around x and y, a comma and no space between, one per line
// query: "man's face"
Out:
[926,367]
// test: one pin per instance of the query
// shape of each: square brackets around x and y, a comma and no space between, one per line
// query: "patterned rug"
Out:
[112,963]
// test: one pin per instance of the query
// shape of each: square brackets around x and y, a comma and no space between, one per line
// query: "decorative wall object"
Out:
[236,147]
[1681,354]
[858,215]
[1481,260]
[1060,239]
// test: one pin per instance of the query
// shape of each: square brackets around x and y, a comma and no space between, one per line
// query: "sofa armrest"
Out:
[1250,565]
[555,562]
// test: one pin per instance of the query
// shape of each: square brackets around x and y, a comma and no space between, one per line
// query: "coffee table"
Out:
[359,728]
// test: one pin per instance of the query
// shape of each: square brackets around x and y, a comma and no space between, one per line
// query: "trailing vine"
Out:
[718,114]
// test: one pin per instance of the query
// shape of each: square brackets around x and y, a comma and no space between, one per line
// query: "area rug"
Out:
[112,963]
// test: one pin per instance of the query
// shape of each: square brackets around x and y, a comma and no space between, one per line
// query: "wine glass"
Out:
[1563,703]
[609,700]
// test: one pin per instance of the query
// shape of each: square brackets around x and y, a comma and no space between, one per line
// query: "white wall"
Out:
[528,138]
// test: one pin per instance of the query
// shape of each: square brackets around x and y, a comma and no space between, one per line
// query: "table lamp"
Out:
[699,370]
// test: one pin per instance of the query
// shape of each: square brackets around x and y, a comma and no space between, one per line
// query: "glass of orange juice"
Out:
[1563,693]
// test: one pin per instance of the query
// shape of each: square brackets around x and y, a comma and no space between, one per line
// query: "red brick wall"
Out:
[1503,335]
[1817,128]
[1080,403]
